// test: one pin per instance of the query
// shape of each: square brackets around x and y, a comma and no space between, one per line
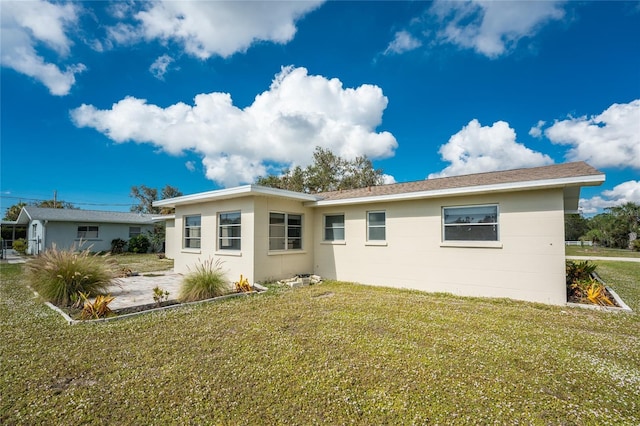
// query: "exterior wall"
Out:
[235,262]
[527,264]
[272,265]
[35,237]
[171,238]
[64,234]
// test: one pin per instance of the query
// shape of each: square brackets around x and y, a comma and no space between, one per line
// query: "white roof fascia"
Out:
[23,210]
[235,192]
[448,192]
[163,217]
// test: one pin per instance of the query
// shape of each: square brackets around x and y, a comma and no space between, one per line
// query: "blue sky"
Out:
[97,97]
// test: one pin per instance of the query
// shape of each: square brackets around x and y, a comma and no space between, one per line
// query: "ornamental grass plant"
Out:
[60,276]
[205,281]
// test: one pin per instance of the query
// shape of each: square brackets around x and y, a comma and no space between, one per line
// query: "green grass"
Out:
[142,263]
[334,353]
[599,252]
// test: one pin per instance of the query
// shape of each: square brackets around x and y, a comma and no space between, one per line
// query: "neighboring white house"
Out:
[498,234]
[67,228]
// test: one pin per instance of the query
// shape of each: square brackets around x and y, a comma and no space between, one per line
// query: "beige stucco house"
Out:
[498,234]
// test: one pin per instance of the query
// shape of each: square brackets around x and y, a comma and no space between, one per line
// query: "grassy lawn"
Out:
[148,262]
[333,353]
[599,252]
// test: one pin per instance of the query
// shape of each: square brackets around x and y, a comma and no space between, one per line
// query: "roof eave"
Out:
[592,180]
[238,191]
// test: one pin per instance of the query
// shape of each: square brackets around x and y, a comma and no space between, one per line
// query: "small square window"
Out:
[334,227]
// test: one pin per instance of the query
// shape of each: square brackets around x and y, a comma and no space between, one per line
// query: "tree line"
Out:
[616,227]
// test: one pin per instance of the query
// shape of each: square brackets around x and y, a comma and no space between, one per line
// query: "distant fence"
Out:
[579,243]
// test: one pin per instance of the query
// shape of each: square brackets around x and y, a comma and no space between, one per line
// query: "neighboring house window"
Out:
[192,231]
[87,231]
[134,231]
[471,223]
[230,231]
[376,226]
[334,227]
[285,231]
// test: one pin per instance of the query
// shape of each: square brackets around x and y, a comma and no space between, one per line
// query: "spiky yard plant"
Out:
[60,275]
[99,308]
[205,281]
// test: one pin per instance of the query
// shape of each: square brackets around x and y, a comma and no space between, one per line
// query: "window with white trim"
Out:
[470,223]
[134,231]
[229,230]
[192,231]
[285,231]
[334,227]
[376,226]
[87,231]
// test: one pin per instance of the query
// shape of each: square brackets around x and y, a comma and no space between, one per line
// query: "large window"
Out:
[229,231]
[87,231]
[285,231]
[376,226]
[192,231]
[471,223]
[334,227]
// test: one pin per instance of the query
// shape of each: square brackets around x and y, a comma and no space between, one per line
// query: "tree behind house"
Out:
[328,172]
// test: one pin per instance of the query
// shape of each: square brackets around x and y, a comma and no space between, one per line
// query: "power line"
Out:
[70,202]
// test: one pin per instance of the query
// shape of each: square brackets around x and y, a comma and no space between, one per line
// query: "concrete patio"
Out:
[138,290]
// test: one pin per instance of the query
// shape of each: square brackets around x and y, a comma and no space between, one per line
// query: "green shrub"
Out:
[635,245]
[206,281]
[139,244]
[118,245]
[20,245]
[60,275]
[579,271]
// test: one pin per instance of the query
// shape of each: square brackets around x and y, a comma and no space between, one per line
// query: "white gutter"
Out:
[448,192]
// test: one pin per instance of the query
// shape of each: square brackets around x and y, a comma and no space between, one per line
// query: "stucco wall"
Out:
[234,262]
[270,265]
[527,265]
[171,239]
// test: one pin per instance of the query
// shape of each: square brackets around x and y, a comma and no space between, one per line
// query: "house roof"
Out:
[568,175]
[29,213]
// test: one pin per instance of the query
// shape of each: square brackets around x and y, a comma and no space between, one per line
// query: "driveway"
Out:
[617,259]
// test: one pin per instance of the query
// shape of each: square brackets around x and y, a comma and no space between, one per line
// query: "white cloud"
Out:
[477,148]
[281,128]
[493,28]
[610,139]
[625,192]
[403,42]
[190,165]
[388,179]
[536,131]
[28,23]
[160,66]
[207,28]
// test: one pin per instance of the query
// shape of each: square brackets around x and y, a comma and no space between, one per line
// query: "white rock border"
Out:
[622,307]
[259,289]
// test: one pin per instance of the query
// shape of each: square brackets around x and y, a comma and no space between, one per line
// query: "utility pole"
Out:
[55,197]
